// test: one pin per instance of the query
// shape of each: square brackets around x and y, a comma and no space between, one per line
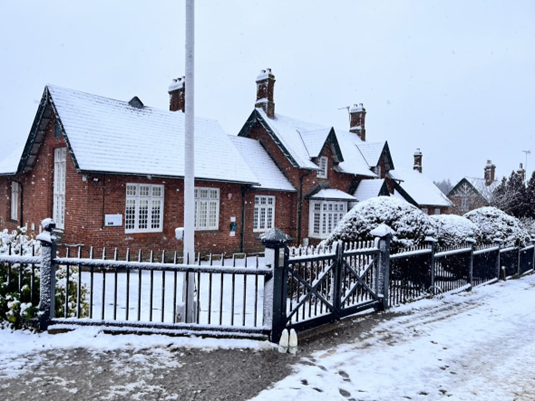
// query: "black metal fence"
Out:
[296,288]
[427,270]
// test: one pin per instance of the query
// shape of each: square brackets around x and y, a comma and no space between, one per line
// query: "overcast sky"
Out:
[453,78]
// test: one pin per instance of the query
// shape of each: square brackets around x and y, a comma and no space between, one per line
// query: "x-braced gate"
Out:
[318,286]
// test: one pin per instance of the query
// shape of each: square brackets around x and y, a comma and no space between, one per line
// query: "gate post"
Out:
[275,293]
[337,284]
[498,243]
[383,234]
[471,242]
[48,274]
[432,245]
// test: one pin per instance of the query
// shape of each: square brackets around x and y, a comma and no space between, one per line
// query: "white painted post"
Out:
[189,162]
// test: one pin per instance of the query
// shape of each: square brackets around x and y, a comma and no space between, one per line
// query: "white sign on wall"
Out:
[112,220]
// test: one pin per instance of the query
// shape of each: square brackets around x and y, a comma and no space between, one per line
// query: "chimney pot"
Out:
[265,86]
[417,160]
[357,120]
[177,89]
[490,170]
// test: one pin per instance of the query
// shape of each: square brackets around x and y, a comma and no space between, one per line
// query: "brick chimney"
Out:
[489,173]
[417,160]
[357,123]
[521,172]
[265,85]
[177,91]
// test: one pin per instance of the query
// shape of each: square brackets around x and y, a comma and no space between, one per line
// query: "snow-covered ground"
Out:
[475,345]
[468,346]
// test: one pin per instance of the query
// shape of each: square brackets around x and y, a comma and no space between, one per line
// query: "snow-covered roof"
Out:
[354,162]
[111,136]
[481,186]
[9,165]
[420,188]
[368,189]
[261,164]
[315,139]
[372,152]
[331,193]
[304,140]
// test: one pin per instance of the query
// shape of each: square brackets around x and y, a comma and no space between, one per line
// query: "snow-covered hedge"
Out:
[452,230]
[409,224]
[494,223]
[15,307]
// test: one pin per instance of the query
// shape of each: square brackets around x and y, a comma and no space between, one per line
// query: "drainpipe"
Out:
[21,199]
[244,190]
[300,207]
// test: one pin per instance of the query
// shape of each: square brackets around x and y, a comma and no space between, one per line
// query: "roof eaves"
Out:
[334,141]
[265,124]
[34,132]
[65,136]
[404,193]
[174,177]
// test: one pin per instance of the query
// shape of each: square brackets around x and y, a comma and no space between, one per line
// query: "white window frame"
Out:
[264,213]
[206,208]
[324,215]
[15,190]
[425,210]
[437,210]
[323,164]
[144,208]
[60,173]
[464,204]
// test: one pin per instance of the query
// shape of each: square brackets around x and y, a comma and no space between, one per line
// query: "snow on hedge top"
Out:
[108,135]
[420,188]
[452,230]
[409,224]
[261,164]
[494,223]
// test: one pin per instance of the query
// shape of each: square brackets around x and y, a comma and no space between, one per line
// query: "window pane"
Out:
[155,214]
[212,221]
[143,214]
[143,190]
[130,214]
[256,218]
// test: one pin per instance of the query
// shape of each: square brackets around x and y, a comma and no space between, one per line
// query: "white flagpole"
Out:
[189,159]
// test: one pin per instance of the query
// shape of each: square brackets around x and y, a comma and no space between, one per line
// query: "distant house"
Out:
[471,193]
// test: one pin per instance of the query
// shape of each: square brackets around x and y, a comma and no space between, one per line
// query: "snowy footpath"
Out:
[477,345]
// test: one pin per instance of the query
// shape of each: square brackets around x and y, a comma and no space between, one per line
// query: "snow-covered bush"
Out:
[495,224]
[528,223]
[17,308]
[410,224]
[452,230]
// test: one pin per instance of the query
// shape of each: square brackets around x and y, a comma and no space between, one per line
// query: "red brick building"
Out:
[110,173]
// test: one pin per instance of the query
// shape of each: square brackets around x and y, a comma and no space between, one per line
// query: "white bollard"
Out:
[283,342]
[293,342]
